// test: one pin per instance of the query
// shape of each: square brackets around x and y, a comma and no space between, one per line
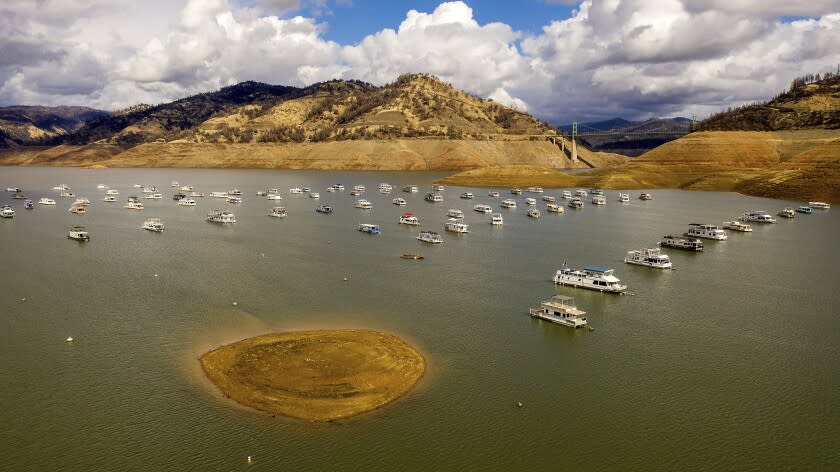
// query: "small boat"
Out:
[508,203]
[535,189]
[61,187]
[133,205]
[153,224]
[359,188]
[46,201]
[338,187]
[218,194]
[219,216]
[153,196]
[758,217]
[78,210]
[415,257]
[151,189]
[408,218]
[482,208]
[326,209]
[369,228]
[19,196]
[645,196]
[591,277]
[82,201]
[28,204]
[234,199]
[14,189]
[581,193]
[67,194]
[187,202]
[179,196]
[109,199]
[549,199]
[560,309]
[7,212]
[186,188]
[278,212]
[457,226]
[363,204]
[235,191]
[819,205]
[78,233]
[467,196]
[197,194]
[649,258]
[455,213]
[433,197]
[624,197]
[804,209]
[575,203]
[315,195]
[101,186]
[356,193]
[787,213]
[530,201]
[678,242]
[705,231]
[411,189]
[566,195]
[438,188]
[398,201]
[496,219]
[599,199]
[385,189]
[737,226]
[138,186]
[534,213]
[493,194]
[554,208]
[596,191]
[262,193]
[174,183]
[273,196]
[430,237]
[112,191]
[306,189]
[516,191]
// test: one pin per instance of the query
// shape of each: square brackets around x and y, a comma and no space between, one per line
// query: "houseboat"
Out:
[560,309]
[678,242]
[590,277]
[705,231]
[649,258]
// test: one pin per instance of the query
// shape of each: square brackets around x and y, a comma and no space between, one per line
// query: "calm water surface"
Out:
[728,363]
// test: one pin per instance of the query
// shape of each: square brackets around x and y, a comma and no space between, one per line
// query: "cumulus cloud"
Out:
[631,58]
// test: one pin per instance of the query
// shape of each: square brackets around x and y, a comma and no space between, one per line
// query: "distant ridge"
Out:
[629,145]
[26,125]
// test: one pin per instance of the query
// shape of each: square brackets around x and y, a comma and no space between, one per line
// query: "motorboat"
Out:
[67,194]
[496,219]
[306,189]
[575,203]
[408,218]
[359,188]
[508,203]
[326,209]
[534,213]
[549,198]
[218,194]
[7,212]
[153,224]
[535,189]
[430,237]
[153,196]
[493,194]
[61,187]
[737,226]
[174,183]
[678,242]
[278,212]
[82,201]
[385,188]
[554,208]
[109,199]
[433,197]
[705,231]
[415,257]
[273,196]
[179,196]
[112,191]
[560,309]
[234,199]
[133,205]
[314,195]
[599,199]
[530,201]
[187,202]
[516,191]
[262,193]
[482,208]
[757,217]
[819,205]
[457,226]
[467,196]
[28,204]
[338,187]
[455,213]
[369,228]
[438,188]
[19,196]
[566,195]
[411,189]
[581,193]
[649,258]
[645,196]
[101,187]
[235,191]
[219,216]
[624,197]
[186,188]
[591,277]
[356,193]
[804,209]
[399,201]
[46,201]
[363,204]
[77,210]
[787,213]
[197,194]
[13,189]
[78,233]
[151,189]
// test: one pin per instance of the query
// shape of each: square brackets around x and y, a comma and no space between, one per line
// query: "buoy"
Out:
[519,405]
[249,460]
[235,303]
[69,339]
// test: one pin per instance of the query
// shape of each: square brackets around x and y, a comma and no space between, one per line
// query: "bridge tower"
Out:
[574,145]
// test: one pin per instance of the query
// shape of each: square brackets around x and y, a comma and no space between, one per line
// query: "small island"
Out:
[315,375]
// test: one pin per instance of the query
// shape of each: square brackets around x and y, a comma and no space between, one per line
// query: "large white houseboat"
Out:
[678,242]
[758,217]
[219,216]
[649,258]
[593,278]
[701,230]
[560,309]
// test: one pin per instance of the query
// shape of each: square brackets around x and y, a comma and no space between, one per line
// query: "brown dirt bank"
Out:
[315,375]
[802,165]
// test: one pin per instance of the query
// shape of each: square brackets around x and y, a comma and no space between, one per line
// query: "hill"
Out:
[812,102]
[27,125]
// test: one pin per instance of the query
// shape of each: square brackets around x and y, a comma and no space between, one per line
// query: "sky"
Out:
[561,60]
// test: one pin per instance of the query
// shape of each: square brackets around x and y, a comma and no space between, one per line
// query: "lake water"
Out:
[729,362]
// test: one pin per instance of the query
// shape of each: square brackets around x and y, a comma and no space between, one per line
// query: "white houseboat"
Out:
[649,258]
[219,216]
[737,226]
[430,237]
[678,242]
[433,197]
[758,217]
[408,218]
[701,230]
[482,208]
[153,224]
[593,278]
[560,309]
